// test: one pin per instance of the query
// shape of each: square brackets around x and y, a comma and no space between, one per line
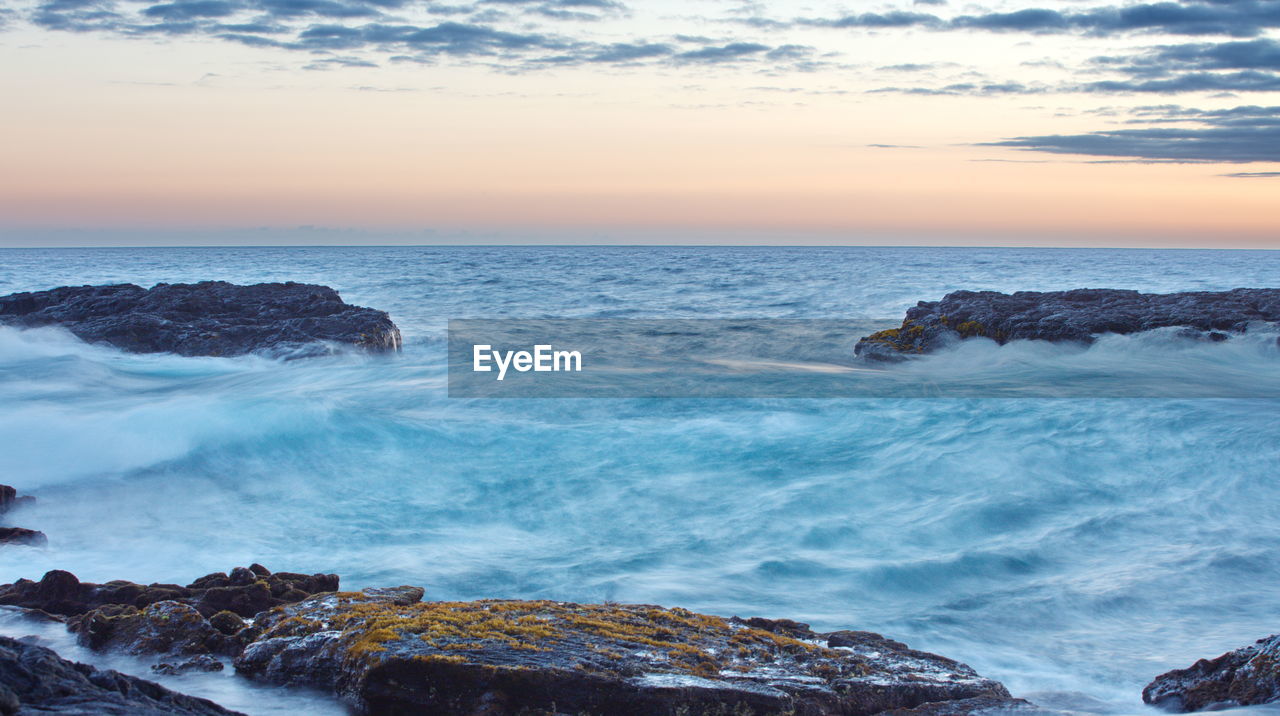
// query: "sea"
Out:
[1071,547]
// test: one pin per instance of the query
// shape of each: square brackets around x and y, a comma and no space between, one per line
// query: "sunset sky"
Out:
[1036,122]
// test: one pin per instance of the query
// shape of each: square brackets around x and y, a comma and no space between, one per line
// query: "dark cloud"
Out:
[723,53]
[190,10]
[967,88]
[1248,55]
[1238,18]
[1238,135]
[1246,81]
[623,52]
[362,33]
[875,20]
[1253,175]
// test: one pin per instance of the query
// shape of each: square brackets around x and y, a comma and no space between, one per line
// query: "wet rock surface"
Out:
[10,500]
[161,628]
[383,655]
[35,680]
[985,705]
[244,592]
[23,536]
[211,318]
[385,651]
[1244,677]
[1078,315]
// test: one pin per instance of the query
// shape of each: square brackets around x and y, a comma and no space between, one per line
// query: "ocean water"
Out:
[1072,548]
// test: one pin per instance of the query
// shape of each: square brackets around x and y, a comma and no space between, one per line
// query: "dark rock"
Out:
[11,500]
[228,623]
[1244,677]
[990,705]
[202,663]
[211,318]
[403,596]
[160,628]
[780,626]
[508,657]
[863,640]
[34,679]
[1078,315]
[19,535]
[245,600]
[60,592]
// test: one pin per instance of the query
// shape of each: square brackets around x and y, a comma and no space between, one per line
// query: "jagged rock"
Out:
[1077,315]
[20,535]
[60,592]
[403,595]
[1244,677]
[507,657]
[228,623]
[160,628]
[211,318]
[34,680]
[202,663]
[978,705]
[10,499]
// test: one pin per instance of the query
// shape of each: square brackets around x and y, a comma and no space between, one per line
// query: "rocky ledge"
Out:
[388,653]
[1244,677]
[211,318]
[35,680]
[1077,315]
[9,501]
[385,651]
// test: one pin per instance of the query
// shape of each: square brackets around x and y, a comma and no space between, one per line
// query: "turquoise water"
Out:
[1072,548]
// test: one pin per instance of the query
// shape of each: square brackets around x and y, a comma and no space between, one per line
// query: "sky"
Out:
[1014,122]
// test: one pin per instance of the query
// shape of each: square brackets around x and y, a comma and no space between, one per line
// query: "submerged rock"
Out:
[1244,677]
[34,679]
[23,536]
[160,628]
[384,655]
[10,499]
[202,663]
[211,318]
[1077,315]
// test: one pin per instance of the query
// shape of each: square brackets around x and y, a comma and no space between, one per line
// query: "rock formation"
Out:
[211,318]
[386,651]
[1244,677]
[10,500]
[1077,315]
[35,680]
[384,654]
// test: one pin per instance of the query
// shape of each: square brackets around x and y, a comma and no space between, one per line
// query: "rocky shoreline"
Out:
[210,318]
[1075,316]
[385,651]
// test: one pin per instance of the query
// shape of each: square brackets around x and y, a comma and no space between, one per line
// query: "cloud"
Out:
[1246,81]
[1238,135]
[1237,18]
[875,20]
[1253,175]
[510,35]
[980,89]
